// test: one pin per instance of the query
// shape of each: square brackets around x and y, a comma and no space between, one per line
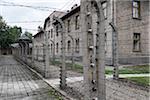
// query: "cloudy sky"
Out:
[29,14]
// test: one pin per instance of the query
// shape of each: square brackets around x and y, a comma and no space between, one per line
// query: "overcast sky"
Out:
[21,16]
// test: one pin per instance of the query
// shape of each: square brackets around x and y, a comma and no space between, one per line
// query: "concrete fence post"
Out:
[63,67]
[53,49]
[33,54]
[115,51]
[94,66]
[72,58]
[46,54]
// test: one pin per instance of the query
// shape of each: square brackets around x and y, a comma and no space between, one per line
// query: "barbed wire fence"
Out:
[75,57]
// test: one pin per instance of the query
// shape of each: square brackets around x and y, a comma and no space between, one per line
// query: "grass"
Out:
[142,69]
[144,81]
[57,63]
[76,67]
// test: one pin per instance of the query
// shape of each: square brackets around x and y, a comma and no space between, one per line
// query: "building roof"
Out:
[70,13]
[24,37]
[48,18]
[15,45]
[40,32]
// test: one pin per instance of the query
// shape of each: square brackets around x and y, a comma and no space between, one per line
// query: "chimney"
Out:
[74,6]
[67,11]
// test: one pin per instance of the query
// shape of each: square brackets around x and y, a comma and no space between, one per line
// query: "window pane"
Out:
[136,9]
[105,13]
[136,42]
[57,47]
[51,33]
[104,6]
[68,25]
[77,22]
[135,4]
[137,13]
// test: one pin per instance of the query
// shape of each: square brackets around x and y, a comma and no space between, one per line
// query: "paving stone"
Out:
[19,83]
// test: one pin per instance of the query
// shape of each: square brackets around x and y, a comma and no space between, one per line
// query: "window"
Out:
[48,34]
[69,46]
[104,6]
[89,26]
[61,45]
[68,24]
[77,46]
[77,22]
[57,47]
[87,8]
[49,22]
[51,48]
[136,9]
[105,42]
[51,33]
[56,30]
[136,42]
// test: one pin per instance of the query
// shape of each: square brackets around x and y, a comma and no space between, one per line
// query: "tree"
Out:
[28,34]
[14,33]
[8,35]
[2,23]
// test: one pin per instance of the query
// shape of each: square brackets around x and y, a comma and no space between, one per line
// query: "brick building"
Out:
[38,42]
[53,37]
[132,20]
[131,17]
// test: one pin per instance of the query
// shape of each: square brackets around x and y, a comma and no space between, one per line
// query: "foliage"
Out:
[28,34]
[2,23]
[8,35]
